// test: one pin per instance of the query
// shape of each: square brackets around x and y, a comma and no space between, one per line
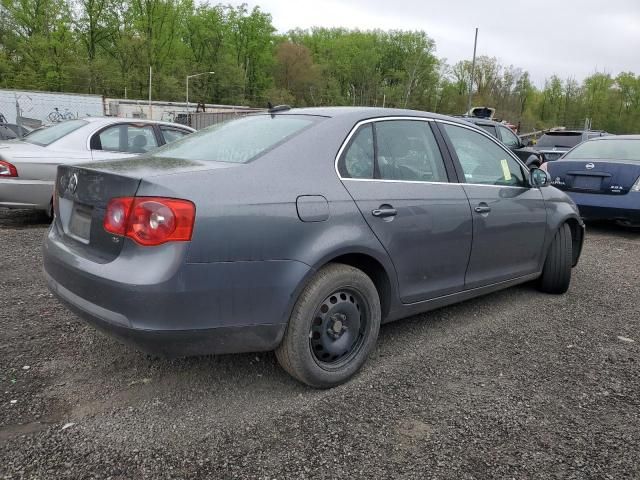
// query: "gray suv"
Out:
[301,231]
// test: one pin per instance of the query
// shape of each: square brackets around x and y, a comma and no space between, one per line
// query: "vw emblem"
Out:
[589,166]
[73,183]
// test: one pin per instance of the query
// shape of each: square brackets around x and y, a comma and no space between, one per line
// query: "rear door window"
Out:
[407,150]
[508,137]
[126,138]
[490,129]
[482,160]
[357,159]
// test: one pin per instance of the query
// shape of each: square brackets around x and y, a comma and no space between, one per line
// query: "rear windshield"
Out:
[237,141]
[48,135]
[560,139]
[618,149]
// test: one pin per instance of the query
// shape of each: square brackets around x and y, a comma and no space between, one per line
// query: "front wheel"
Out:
[556,273]
[333,327]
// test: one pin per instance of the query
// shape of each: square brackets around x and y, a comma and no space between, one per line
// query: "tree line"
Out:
[107,46]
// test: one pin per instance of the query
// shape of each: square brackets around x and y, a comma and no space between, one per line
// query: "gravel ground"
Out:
[516,384]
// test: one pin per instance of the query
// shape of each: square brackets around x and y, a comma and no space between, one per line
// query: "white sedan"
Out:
[28,165]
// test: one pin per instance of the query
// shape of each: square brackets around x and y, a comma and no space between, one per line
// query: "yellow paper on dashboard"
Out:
[505,169]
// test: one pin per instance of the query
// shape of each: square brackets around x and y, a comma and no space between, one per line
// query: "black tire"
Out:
[338,297]
[49,211]
[556,273]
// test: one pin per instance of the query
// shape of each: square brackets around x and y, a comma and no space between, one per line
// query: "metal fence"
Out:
[200,120]
[34,109]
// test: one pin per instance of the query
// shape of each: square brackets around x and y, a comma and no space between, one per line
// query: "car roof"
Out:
[615,137]
[363,113]
[480,121]
[114,120]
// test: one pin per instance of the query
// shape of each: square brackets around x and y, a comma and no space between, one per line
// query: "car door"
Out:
[123,140]
[396,173]
[509,216]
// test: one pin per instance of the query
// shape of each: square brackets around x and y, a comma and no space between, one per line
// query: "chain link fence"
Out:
[35,109]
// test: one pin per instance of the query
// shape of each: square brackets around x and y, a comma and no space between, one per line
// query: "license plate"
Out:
[587,182]
[80,223]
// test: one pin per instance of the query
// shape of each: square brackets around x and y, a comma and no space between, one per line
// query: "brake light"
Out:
[150,221]
[7,169]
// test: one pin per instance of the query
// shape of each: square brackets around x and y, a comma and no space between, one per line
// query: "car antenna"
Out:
[278,108]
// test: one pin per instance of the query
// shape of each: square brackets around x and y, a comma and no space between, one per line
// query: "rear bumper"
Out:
[185,309]
[172,343]
[624,208]
[19,193]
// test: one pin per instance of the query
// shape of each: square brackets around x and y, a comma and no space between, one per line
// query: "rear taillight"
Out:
[7,169]
[150,220]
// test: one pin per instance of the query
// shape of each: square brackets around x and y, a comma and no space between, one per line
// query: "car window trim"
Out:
[495,140]
[354,130]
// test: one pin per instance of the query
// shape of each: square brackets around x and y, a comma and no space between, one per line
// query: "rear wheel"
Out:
[333,327]
[49,211]
[556,274]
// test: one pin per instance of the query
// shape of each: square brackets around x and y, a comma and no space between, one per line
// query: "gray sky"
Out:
[566,37]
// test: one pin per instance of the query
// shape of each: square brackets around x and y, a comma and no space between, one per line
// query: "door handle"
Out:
[384,212]
[483,208]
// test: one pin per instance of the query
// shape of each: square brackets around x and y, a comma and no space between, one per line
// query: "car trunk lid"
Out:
[597,176]
[83,192]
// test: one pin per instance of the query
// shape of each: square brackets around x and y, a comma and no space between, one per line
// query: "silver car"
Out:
[28,165]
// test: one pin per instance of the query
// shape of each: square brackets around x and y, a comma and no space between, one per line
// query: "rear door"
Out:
[509,217]
[398,177]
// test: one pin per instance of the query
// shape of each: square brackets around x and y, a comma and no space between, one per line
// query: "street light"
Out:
[191,76]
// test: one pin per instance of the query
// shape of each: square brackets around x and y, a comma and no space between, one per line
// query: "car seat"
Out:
[139,143]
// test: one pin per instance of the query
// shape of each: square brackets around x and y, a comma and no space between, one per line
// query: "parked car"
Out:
[603,177]
[302,231]
[530,156]
[28,165]
[9,131]
[554,143]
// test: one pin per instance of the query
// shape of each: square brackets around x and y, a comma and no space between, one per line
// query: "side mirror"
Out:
[539,178]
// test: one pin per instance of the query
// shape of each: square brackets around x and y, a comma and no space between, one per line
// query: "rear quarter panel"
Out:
[247,212]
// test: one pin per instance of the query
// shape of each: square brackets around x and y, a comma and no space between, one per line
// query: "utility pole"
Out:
[473,68]
[150,108]
[187,83]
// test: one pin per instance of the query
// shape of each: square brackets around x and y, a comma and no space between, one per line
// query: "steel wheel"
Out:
[333,327]
[338,327]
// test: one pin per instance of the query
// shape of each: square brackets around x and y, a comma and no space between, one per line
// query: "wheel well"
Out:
[375,271]
[576,239]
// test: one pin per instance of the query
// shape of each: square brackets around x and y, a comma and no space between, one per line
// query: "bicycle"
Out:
[57,116]
[168,116]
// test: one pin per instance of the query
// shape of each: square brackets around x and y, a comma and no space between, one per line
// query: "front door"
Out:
[396,173]
[509,216]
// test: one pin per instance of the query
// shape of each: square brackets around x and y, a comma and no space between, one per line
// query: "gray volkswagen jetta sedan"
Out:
[301,231]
